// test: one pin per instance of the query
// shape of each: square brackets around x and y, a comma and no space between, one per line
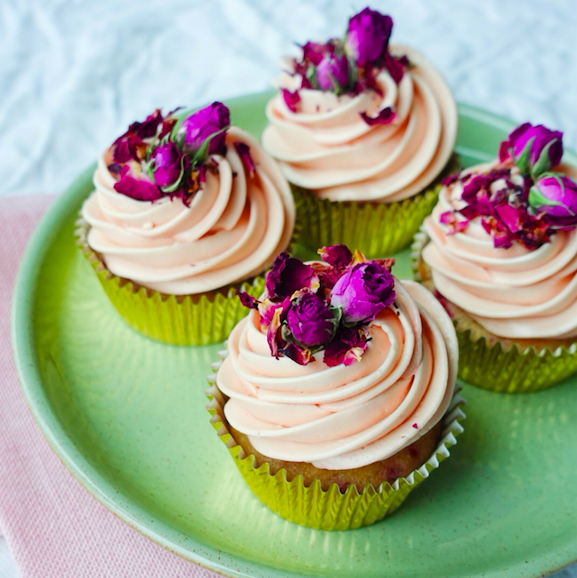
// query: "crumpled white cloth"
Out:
[74,74]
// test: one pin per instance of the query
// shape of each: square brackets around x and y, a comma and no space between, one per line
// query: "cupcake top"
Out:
[185,203]
[357,119]
[503,241]
[339,364]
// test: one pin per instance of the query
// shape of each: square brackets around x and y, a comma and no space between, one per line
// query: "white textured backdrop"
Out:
[74,73]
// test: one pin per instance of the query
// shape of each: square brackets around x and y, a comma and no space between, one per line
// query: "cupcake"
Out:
[186,210]
[500,251]
[336,396]
[365,133]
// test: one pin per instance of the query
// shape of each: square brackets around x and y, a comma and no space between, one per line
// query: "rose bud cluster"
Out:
[521,199]
[323,306]
[349,65]
[169,155]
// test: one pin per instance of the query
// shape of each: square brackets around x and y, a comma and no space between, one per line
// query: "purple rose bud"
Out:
[336,255]
[167,164]
[203,124]
[333,72]
[363,292]
[289,275]
[310,320]
[556,196]
[368,36]
[534,149]
[138,189]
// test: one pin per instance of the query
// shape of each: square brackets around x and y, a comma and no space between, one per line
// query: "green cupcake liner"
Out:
[179,320]
[330,509]
[503,366]
[375,229]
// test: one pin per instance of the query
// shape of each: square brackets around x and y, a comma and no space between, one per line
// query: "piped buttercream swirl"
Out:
[328,148]
[514,293]
[232,230]
[345,417]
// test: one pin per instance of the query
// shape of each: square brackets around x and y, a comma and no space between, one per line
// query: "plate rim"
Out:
[22,335]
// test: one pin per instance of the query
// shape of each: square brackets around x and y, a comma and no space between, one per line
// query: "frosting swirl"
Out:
[232,230]
[345,416]
[514,293]
[328,148]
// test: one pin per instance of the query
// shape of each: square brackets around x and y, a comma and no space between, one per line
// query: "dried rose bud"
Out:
[311,321]
[363,292]
[167,164]
[368,36]
[534,149]
[333,73]
[556,196]
[202,125]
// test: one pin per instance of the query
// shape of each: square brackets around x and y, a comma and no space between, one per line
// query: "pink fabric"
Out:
[53,526]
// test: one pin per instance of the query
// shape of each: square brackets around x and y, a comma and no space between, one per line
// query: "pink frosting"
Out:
[513,293]
[345,417]
[233,229]
[326,146]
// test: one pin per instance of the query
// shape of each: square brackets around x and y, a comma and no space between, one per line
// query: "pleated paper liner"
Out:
[178,320]
[329,509]
[501,365]
[375,229]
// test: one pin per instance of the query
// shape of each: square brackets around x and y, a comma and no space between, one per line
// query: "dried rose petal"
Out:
[149,127]
[139,189]
[291,99]
[314,51]
[385,116]
[289,275]
[247,300]
[298,354]
[396,66]
[455,225]
[243,151]
[273,334]
[347,347]
[336,255]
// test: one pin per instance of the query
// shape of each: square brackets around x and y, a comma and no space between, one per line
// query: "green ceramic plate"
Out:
[127,416]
